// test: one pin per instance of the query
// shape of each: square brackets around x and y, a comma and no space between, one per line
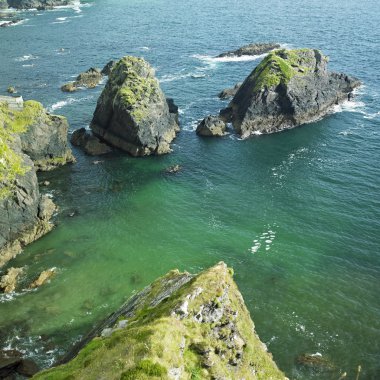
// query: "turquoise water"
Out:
[312,193]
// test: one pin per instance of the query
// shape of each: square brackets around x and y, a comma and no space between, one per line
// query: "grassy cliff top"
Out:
[181,327]
[12,123]
[280,66]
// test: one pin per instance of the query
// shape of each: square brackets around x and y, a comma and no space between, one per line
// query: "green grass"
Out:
[13,123]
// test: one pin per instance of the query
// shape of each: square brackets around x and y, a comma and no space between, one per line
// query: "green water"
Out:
[312,192]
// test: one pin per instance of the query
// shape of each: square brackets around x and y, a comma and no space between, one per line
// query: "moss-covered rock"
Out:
[180,327]
[132,113]
[288,88]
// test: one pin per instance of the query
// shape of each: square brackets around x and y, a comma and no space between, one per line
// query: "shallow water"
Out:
[296,214]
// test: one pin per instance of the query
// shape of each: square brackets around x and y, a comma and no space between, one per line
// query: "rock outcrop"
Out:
[132,113]
[12,365]
[9,281]
[25,214]
[180,327]
[89,79]
[37,4]
[229,92]
[251,49]
[89,143]
[288,88]
[211,126]
[45,138]
[44,277]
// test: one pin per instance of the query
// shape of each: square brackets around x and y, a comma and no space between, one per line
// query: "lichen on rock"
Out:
[132,113]
[180,327]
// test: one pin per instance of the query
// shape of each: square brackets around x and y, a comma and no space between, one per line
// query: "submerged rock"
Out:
[12,364]
[89,143]
[251,49]
[179,325]
[9,281]
[288,88]
[173,169]
[211,126]
[43,278]
[132,113]
[315,362]
[229,92]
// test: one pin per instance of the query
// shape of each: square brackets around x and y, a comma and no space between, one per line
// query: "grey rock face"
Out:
[132,113]
[211,126]
[229,92]
[288,88]
[24,216]
[45,141]
[251,49]
[108,68]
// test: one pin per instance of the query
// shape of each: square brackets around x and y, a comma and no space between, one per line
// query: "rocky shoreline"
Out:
[34,4]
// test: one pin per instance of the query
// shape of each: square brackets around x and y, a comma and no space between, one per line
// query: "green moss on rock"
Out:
[280,66]
[181,326]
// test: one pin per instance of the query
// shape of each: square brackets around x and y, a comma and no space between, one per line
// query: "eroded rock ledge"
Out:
[180,327]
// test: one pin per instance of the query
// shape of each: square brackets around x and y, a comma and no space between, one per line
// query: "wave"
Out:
[68,101]
[61,18]
[243,58]
[174,77]
[265,239]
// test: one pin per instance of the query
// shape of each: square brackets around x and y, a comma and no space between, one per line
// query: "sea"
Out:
[295,214]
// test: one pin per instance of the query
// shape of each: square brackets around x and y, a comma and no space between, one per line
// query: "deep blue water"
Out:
[313,190]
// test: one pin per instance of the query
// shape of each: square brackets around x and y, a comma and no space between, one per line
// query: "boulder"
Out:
[11,90]
[288,88]
[229,92]
[89,79]
[89,143]
[43,278]
[211,126]
[251,49]
[132,113]
[183,324]
[12,364]
[9,281]
[69,87]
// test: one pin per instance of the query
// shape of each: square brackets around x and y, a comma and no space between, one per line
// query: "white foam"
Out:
[174,77]
[144,48]
[243,58]
[68,101]
[61,18]
[25,58]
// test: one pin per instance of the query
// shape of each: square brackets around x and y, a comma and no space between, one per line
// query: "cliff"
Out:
[180,327]
[30,139]
[287,89]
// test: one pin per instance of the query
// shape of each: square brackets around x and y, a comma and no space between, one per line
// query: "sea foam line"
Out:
[68,101]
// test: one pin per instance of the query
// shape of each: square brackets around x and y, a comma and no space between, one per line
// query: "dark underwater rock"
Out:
[288,88]
[211,126]
[132,113]
[251,49]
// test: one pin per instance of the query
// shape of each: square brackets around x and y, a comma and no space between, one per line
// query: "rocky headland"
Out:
[182,326]
[30,139]
[33,4]
[132,113]
[287,89]
[251,49]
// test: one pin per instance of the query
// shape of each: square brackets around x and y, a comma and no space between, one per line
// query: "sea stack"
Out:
[287,89]
[132,113]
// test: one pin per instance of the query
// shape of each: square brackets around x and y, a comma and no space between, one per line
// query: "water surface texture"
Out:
[296,214]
